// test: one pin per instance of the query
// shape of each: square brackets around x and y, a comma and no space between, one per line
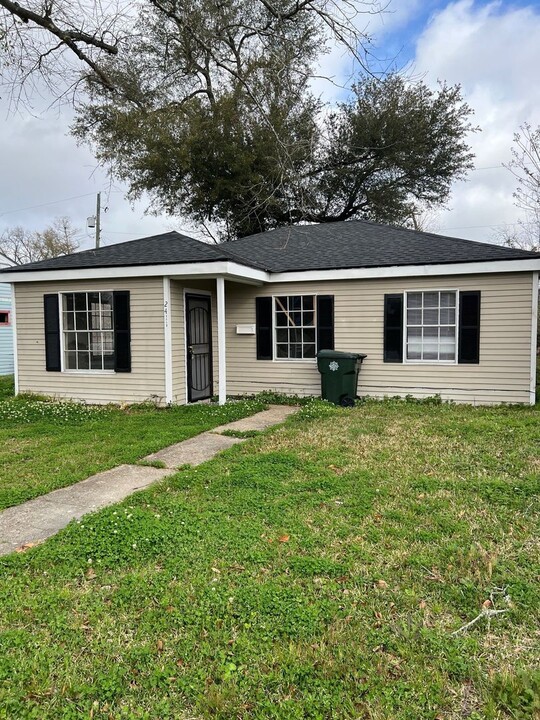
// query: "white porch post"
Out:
[222,352]
[167,332]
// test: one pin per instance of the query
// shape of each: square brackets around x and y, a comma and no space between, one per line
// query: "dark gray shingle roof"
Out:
[168,248]
[361,244]
[351,244]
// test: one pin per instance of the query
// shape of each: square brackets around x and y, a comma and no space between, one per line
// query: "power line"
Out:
[52,202]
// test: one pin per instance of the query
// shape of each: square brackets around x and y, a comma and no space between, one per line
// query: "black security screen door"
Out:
[199,347]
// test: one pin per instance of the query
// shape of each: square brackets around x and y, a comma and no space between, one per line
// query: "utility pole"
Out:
[98,220]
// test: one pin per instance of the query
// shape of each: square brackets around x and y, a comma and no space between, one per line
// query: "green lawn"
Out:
[316,571]
[44,446]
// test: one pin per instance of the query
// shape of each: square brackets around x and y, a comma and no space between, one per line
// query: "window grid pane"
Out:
[88,323]
[431,326]
[295,327]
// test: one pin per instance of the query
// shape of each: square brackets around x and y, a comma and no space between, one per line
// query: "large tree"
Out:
[209,107]
[64,41]
[391,148]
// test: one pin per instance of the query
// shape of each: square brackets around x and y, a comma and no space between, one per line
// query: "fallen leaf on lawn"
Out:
[486,604]
[382,584]
[160,645]
[336,469]
[283,538]
[26,546]
[90,574]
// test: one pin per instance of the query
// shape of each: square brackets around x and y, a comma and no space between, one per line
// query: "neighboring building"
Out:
[6,331]
[176,320]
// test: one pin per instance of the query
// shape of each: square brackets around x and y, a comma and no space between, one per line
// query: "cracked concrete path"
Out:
[38,519]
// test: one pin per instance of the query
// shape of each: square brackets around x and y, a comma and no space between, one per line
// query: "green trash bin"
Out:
[339,375]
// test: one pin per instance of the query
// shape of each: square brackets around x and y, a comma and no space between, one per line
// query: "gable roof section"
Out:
[361,244]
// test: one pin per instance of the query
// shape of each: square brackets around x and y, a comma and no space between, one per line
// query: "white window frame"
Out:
[63,350]
[274,328]
[406,361]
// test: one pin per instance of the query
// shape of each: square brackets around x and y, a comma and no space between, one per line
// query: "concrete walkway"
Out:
[33,521]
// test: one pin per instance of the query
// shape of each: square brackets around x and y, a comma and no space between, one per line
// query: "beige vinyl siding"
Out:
[178,291]
[146,381]
[503,374]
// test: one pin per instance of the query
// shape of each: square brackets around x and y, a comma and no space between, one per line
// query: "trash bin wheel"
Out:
[346,401]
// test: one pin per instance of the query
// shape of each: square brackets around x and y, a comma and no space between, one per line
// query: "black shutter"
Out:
[393,328]
[469,327]
[52,333]
[263,318]
[122,331]
[325,322]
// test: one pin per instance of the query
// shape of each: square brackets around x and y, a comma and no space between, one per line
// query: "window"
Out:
[430,319]
[4,317]
[88,331]
[295,327]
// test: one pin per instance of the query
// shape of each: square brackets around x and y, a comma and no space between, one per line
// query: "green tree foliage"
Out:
[388,150]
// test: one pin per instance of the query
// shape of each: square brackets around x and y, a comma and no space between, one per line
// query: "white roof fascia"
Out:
[224,268]
[243,273]
[397,271]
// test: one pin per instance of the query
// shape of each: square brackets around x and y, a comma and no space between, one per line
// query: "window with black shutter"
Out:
[294,327]
[91,329]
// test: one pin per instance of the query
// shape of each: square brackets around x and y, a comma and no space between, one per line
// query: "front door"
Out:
[199,347]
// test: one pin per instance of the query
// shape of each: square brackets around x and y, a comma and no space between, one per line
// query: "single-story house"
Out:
[6,331]
[176,320]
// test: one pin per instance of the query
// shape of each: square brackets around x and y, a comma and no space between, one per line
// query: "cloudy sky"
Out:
[491,48]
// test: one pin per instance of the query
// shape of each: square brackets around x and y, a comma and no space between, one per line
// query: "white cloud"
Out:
[494,53]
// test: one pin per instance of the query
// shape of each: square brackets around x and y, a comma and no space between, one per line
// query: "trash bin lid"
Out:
[338,354]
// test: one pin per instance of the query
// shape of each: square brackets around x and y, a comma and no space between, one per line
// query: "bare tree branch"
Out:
[19,246]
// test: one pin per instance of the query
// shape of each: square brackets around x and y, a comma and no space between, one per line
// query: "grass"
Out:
[46,445]
[315,571]
[7,387]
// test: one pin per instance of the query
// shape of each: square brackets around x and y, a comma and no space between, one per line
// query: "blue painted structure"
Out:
[6,330]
